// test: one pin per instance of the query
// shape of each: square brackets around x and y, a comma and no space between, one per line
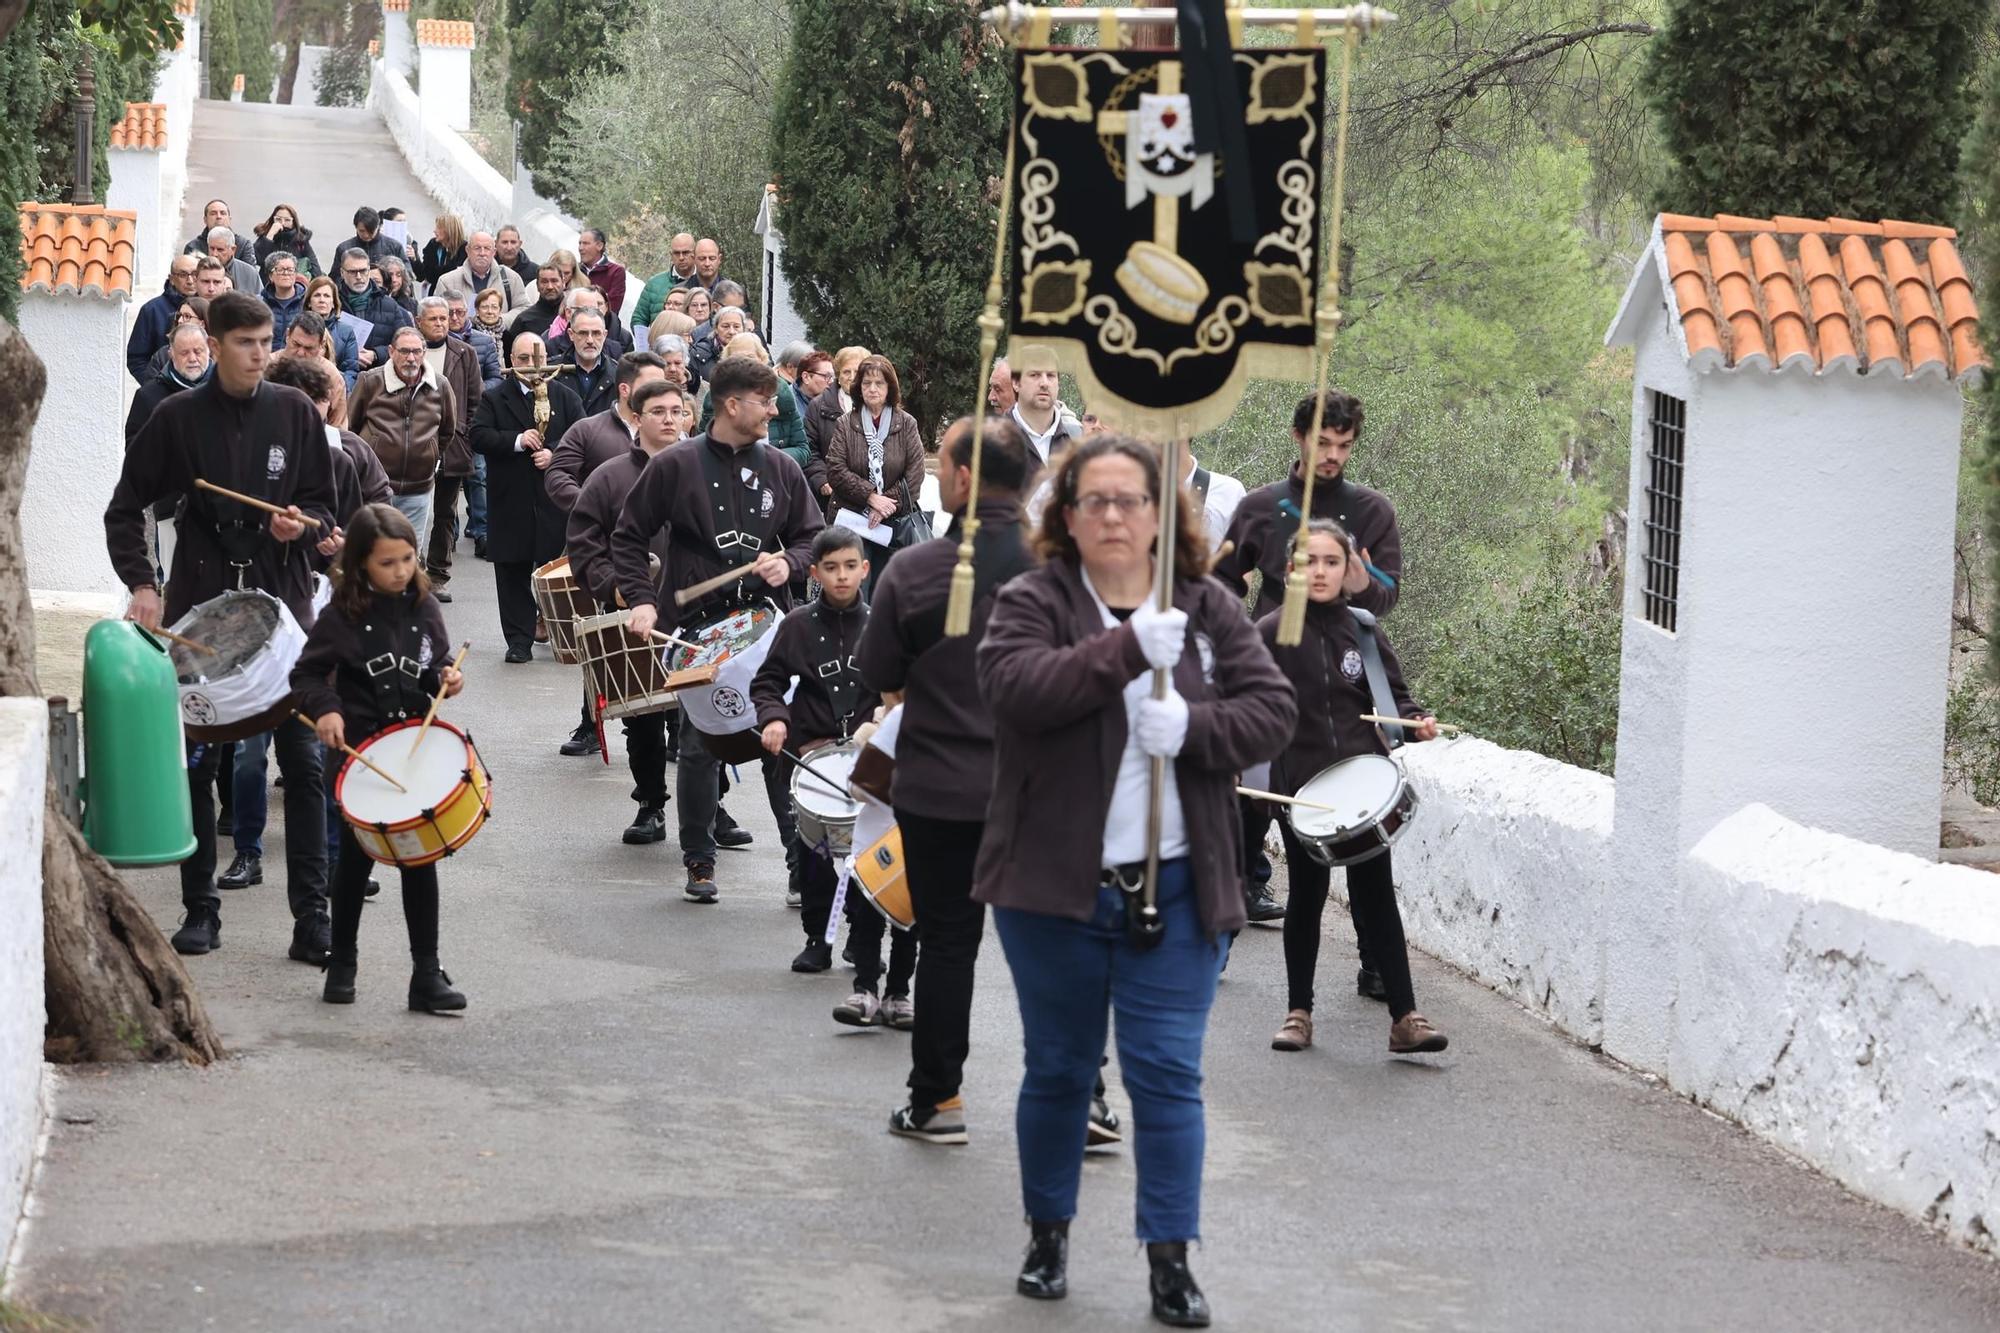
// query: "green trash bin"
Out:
[136,810]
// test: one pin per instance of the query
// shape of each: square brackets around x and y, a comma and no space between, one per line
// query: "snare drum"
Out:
[628,675]
[448,799]
[734,647]
[244,686]
[562,603]
[826,813]
[1372,803]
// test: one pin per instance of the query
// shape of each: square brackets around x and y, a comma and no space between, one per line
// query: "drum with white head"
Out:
[820,799]
[1368,803]
[239,682]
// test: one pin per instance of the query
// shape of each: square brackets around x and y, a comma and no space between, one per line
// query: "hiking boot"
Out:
[899,1013]
[1368,985]
[339,981]
[430,989]
[1262,907]
[701,884]
[1177,1301]
[200,932]
[312,940]
[728,833]
[650,826]
[1412,1034]
[859,1010]
[582,741]
[942,1124]
[1104,1129]
[245,869]
[817,956]
[1295,1033]
[1045,1270]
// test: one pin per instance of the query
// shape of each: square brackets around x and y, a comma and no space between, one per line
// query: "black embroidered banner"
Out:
[1122,256]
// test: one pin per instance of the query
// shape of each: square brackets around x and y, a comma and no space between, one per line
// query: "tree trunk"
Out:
[115,988]
[288,76]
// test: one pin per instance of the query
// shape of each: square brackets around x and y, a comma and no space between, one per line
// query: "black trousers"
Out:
[646,756]
[350,885]
[305,822]
[1378,925]
[444,527]
[865,926]
[517,602]
[940,854]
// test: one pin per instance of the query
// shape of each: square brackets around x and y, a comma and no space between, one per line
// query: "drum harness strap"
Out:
[741,530]
[1378,674]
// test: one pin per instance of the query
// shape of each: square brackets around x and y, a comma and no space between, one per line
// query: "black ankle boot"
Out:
[1045,1272]
[430,989]
[339,981]
[1177,1301]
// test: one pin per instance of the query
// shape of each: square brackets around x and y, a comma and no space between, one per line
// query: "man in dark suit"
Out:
[524,527]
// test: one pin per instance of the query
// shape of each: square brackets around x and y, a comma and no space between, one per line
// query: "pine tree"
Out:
[888,132]
[1815,108]
[560,46]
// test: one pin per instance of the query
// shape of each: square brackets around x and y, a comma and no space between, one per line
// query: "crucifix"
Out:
[1161,161]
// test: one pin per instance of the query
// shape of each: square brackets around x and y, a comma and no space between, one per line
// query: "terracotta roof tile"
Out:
[186,8]
[144,126]
[396,6]
[1819,295]
[374,48]
[444,32]
[81,249]
[237,85]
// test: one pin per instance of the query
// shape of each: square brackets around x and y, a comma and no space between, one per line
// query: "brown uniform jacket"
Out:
[1331,684]
[902,462]
[1263,534]
[816,644]
[584,448]
[1055,679]
[407,427]
[944,752]
[595,514]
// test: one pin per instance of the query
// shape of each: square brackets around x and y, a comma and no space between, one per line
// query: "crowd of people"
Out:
[407,398]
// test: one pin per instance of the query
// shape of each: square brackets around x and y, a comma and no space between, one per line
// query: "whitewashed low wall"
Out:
[1836,998]
[459,178]
[1843,1001]
[1504,872]
[79,440]
[24,730]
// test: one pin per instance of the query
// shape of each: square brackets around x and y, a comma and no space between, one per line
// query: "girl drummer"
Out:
[1329,672]
[375,657]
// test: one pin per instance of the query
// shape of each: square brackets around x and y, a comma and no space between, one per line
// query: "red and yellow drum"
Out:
[448,798]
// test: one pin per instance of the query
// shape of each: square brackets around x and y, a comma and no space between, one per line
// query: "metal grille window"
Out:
[1666,456]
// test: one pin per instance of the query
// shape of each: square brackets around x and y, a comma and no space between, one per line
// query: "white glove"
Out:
[1162,724]
[1161,635]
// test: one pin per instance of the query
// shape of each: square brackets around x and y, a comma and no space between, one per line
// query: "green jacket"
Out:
[788,432]
[653,297]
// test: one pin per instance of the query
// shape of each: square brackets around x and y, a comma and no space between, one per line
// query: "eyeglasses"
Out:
[354,273]
[1094,506]
[765,403]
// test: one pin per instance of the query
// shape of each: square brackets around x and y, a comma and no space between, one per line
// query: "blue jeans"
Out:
[1068,975]
[250,793]
[417,508]
[475,499]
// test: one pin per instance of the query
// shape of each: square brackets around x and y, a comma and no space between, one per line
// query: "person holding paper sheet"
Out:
[875,455]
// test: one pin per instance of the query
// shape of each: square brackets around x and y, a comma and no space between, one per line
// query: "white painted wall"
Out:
[399,48]
[305,89]
[79,440]
[444,86]
[457,176]
[137,184]
[781,323]
[24,729]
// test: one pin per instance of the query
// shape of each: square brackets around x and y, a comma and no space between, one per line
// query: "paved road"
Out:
[645,1121]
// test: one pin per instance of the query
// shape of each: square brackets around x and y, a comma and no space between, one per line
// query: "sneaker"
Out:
[1295,1033]
[1264,909]
[794,899]
[650,826]
[1368,985]
[942,1124]
[899,1013]
[312,940]
[441,592]
[200,933]
[859,1010]
[1412,1034]
[817,956]
[1105,1128]
[701,884]
[246,869]
[582,741]
[728,833]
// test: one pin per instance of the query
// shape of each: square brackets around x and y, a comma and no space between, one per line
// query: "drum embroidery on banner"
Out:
[1350,664]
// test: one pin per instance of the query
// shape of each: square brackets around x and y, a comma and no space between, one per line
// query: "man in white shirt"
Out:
[1217,493]
[1037,410]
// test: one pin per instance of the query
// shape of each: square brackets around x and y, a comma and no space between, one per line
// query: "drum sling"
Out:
[1378,675]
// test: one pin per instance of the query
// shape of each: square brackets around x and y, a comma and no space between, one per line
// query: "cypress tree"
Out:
[888,126]
[225,59]
[559,46]
[1814,108]
[1982,201]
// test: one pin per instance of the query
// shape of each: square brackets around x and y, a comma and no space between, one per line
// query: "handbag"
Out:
[911,528]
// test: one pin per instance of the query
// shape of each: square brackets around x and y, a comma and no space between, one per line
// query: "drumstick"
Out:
[357,756]
[696,591]
[665,637]
[183,641]
[839,787]
[1256,795]
[437,699]
[1407,722]
[251,500]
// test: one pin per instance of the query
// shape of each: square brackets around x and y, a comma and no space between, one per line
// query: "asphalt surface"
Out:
[645,1120]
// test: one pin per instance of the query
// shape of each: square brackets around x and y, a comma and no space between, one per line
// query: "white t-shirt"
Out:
[1131,795]
[1224,494]
[1038,441]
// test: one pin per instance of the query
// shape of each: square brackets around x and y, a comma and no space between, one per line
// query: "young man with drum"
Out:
[263,440]
[815,645]
[1342,668]
[728,505]
[655,408]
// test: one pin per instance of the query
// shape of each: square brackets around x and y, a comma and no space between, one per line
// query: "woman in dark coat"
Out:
[1066,668]
[441,254]
[283,231]
[875,457]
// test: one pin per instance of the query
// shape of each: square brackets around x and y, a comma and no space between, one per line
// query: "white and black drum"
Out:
[735,645]
[1368,805]
[242,684]
[820,799]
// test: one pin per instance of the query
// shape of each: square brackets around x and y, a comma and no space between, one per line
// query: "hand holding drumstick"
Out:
[1419,728]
